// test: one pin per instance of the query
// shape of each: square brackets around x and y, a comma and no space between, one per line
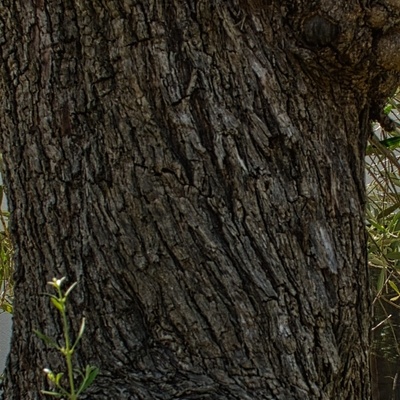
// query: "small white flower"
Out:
[56,282]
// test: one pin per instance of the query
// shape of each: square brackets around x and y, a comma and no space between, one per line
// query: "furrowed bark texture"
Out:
[197,167]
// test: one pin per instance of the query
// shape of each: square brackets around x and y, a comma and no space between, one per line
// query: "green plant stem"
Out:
[68,352]
[89,374]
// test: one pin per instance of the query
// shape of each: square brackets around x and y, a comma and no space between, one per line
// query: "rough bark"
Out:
[197,167]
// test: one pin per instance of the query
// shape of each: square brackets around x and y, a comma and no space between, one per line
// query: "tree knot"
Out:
[319,31]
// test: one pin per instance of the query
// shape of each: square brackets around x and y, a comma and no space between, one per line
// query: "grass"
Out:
[6,255]
[383,227]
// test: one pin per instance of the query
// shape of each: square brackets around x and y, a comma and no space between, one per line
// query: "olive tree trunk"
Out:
[198,168]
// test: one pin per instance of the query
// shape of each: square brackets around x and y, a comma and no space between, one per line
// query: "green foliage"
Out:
[6,257]
[383,226]
[88,375]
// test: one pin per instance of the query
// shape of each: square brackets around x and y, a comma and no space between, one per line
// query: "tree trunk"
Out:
[198,168]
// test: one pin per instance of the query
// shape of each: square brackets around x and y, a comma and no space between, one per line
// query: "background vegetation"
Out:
[383,227]
[6,251]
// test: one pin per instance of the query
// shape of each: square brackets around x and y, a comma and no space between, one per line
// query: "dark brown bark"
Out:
[197,166]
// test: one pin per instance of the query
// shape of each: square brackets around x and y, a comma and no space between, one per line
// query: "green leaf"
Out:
[388,108]
[69,289]
[58,304]
[381,280]
[376,261]
[54,394]
[377,226]
[394,255]
[81,330]
[391,143]
[394,287]
[58,378]
[389,210]
[90,375]
[7,307]
[49,341]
